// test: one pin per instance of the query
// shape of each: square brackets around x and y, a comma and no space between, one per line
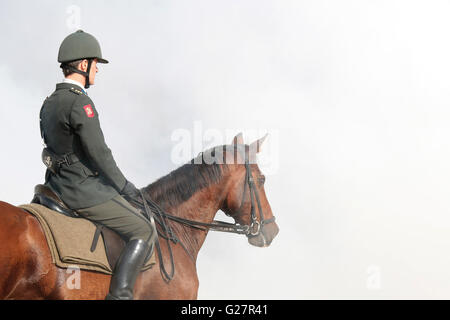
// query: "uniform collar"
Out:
[69,86]
[74,82]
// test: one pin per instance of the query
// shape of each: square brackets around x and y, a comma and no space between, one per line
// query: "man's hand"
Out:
[131,192]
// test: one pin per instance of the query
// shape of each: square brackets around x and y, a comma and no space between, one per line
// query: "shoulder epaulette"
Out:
[76,91]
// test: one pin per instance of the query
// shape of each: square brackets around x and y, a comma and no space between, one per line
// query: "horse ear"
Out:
[257,144]
[238,139]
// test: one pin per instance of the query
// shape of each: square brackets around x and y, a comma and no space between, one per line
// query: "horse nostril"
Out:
[270,231]
[265,237]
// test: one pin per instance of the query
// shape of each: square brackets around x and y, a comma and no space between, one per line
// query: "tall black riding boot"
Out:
[127,269]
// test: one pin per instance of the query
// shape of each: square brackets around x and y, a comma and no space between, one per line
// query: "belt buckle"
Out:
[67,160]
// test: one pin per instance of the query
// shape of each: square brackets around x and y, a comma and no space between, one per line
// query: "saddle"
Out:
[114,244]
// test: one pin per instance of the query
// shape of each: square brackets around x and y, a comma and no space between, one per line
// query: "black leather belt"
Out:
[53,162]
[69,159]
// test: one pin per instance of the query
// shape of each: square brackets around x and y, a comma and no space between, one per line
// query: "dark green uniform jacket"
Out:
[70,124]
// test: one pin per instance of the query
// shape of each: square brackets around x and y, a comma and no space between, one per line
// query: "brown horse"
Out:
[192,192]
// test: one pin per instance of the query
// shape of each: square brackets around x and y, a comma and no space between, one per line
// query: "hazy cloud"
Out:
[357,91]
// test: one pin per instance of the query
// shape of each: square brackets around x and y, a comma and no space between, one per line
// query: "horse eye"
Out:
[261,180]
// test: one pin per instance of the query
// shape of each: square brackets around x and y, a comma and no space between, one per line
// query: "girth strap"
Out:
[97,233]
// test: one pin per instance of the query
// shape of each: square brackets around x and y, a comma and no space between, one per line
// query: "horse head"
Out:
[246,200]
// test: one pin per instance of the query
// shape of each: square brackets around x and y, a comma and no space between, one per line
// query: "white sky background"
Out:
[355,94]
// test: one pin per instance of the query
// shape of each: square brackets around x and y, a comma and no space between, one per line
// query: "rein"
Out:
[154,212]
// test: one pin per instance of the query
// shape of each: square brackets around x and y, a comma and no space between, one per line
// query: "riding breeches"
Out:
[120,216]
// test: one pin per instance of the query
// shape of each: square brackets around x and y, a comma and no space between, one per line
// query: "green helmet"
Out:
[80,45]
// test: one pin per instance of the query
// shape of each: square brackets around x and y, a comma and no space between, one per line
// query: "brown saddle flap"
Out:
[113,243]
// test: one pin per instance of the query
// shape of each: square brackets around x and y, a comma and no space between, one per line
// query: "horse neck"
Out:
[201,206]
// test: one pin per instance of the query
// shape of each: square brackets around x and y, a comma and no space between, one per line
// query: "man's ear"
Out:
[83,65]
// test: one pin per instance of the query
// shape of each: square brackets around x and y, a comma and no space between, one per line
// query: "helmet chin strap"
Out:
[86,74]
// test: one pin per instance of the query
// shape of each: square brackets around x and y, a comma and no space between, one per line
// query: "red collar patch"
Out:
[89,111]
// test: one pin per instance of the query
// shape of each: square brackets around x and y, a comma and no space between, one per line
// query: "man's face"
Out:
[93,72]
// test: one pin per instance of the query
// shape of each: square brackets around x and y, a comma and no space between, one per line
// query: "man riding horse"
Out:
[80,167]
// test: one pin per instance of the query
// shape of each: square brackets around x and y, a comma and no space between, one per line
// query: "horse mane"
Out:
[180,185]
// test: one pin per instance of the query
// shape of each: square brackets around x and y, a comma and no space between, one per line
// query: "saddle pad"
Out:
[70,240]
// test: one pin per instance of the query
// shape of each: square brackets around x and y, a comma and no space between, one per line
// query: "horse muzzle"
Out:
[264,237]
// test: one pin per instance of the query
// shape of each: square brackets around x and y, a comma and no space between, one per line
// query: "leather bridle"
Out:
[153,210]
[253,196]
[217,225]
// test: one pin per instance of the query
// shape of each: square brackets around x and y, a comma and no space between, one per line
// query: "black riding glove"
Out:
[131,192]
